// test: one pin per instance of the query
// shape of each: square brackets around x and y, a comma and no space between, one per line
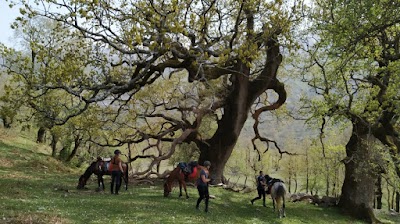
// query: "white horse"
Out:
[278,192]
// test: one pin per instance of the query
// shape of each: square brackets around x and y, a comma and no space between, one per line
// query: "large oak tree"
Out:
[354,61]
[136,43]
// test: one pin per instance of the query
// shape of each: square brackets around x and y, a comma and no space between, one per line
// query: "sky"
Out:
[7,16]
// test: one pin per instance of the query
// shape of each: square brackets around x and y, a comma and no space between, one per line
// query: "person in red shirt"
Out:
[116,172]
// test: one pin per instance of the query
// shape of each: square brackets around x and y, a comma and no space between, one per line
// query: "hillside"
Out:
[39,189]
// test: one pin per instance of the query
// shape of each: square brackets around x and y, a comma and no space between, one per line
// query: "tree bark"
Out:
[359,183]
[40,135]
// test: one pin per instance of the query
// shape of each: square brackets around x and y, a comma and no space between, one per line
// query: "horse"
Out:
[99,168]
[278,192]
[178,175]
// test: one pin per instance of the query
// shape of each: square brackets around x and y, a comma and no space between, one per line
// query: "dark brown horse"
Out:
[99,168]
[177,175]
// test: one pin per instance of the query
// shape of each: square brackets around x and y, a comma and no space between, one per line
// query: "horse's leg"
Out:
[180,188]
[280,209]
[126,178]
[99,181]
[283,207]
[184,187]
[102,182]
[273,203]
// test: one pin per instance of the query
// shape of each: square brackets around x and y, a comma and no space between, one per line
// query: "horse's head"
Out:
[99,164]
[81,182]
[167,189]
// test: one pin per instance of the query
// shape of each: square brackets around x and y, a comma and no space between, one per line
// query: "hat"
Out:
[116,152]
[207,163]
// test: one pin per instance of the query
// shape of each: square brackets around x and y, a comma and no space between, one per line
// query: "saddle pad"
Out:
[194,173]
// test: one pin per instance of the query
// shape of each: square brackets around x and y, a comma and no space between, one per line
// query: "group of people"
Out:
[262,183]
[201,183]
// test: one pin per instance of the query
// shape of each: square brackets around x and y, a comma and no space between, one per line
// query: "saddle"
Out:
[187,168]
[271,182]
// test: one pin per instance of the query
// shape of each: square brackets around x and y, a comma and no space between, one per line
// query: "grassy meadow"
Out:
[36,188]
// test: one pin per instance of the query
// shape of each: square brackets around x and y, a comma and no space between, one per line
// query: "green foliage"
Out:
[185,153]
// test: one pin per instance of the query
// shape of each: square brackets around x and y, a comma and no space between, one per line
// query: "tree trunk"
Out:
[6,122]
[327,179]
[358,188]
[334,183]
[393,198]
[378,192]
[242,95]
[219,148]
[397,201]
[388,193]
[54,141]
[77,143]
[307,175]
[40,135]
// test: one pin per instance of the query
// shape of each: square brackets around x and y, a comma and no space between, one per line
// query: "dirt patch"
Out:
[6,163]
[18,175]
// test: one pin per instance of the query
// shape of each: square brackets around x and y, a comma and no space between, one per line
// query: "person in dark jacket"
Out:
[261,183]
[202,185]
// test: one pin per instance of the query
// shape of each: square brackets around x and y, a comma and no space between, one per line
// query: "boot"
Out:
[117,188]
[198,203]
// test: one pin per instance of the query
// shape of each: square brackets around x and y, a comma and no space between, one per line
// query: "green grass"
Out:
[36,188]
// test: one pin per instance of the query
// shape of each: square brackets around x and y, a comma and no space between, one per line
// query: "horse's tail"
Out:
[126,176]
[280,199]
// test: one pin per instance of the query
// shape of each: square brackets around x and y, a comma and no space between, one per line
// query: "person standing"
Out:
[202,185]
[261,182]
[116,172]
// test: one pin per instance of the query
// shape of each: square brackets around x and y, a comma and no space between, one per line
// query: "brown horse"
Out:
[99,168]
[178,175]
